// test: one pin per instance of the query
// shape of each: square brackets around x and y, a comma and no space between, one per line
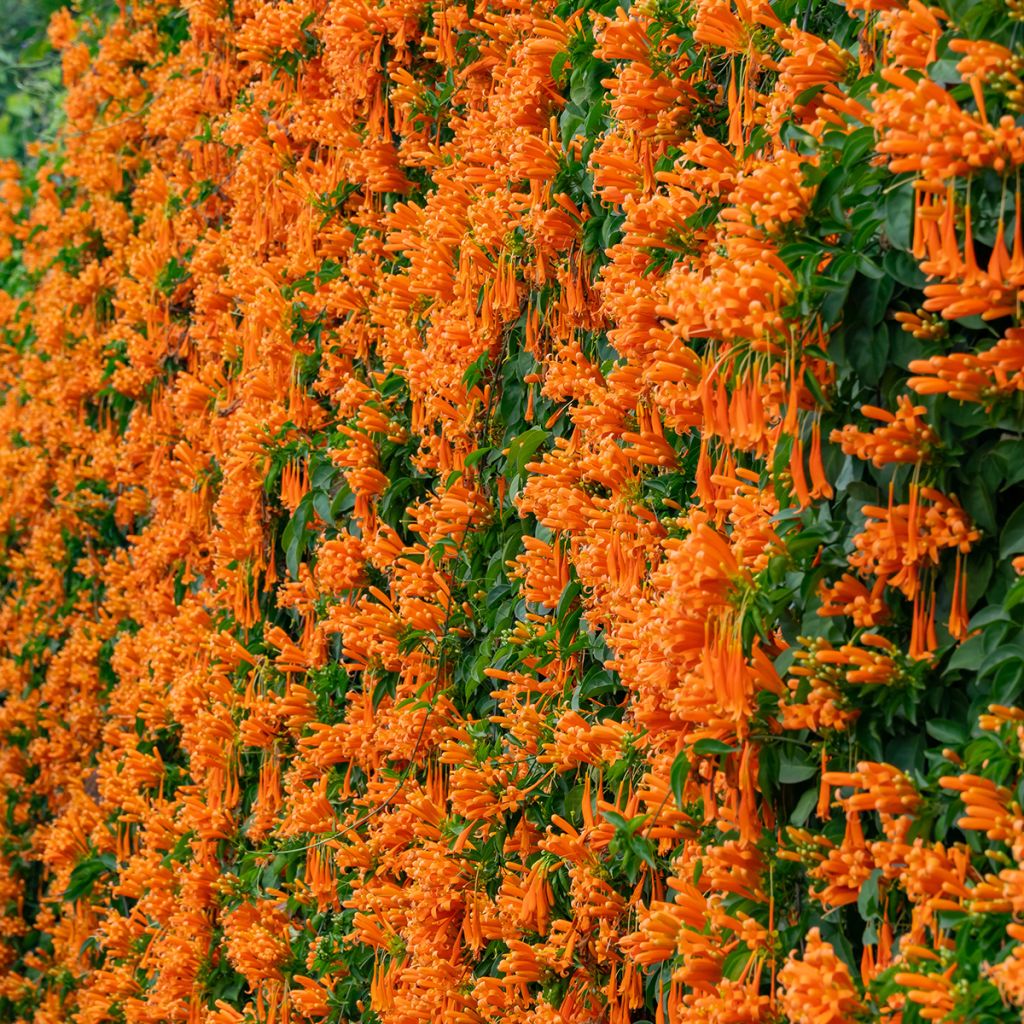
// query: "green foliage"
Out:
[30,70]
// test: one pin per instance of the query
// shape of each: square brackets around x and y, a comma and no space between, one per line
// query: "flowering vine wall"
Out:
[509,514]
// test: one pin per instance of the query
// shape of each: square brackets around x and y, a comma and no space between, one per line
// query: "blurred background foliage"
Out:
[30,76]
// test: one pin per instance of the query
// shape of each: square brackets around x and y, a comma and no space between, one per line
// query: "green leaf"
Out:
[322,506]
[475,456]
[568,627]
[899,214]
[572,590]
[558,63]
[708,746]
[904,269]
[1014,596]
[677,777]
[294,538]
[1002,654]
[868,898]
[19,105]
[86,873]
[945,731]
[386,687]
[597,682]
[866,348]
[1011,540]
[620,823]
[321,474]
[343,501]
[968,655]
[803,808]
[521,450]
[736,963]
[795,771]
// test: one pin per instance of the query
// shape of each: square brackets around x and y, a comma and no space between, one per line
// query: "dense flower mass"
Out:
[511,512]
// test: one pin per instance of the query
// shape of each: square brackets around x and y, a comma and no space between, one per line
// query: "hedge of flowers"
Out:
[510,512]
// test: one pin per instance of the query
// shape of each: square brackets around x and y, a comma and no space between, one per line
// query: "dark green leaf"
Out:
[709,746]
[677,777]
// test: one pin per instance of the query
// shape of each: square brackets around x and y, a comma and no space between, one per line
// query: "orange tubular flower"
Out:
[901,541]
[990,808]
[886,789]
[817,987]
[930,991]
[904,438]
[984,378]
[310,999]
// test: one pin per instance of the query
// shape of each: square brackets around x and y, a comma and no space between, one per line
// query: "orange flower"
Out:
[817,988]
[904,438]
